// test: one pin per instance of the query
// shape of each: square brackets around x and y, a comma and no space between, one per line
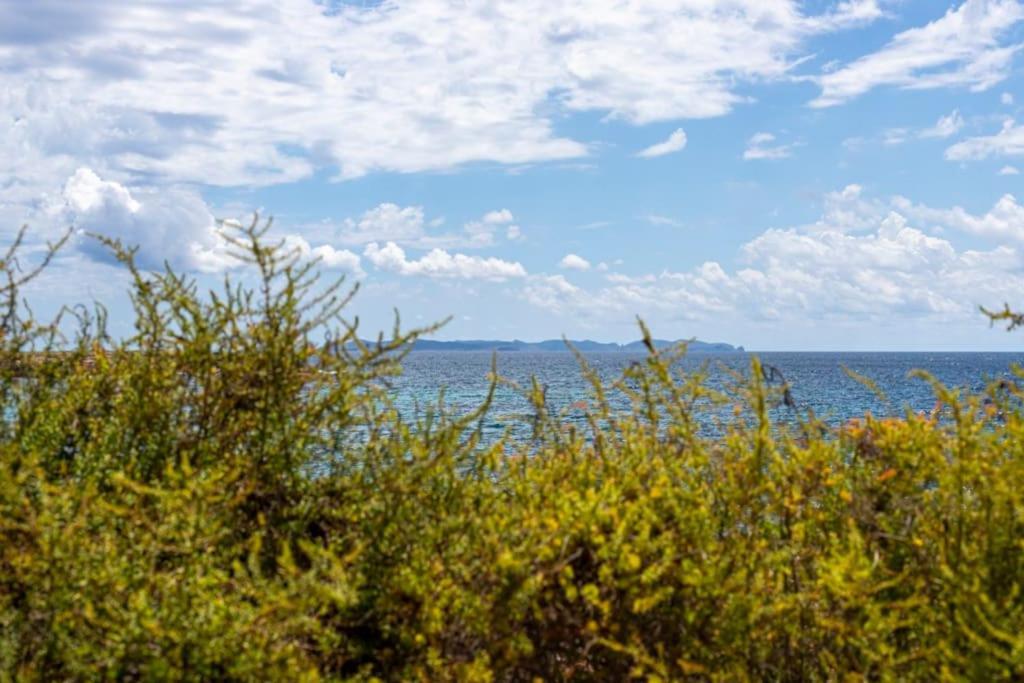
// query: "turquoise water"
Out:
[818,381]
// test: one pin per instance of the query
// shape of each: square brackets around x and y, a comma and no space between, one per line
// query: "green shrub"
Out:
[230,494]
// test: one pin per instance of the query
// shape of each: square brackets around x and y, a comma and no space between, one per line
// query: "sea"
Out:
[819,383]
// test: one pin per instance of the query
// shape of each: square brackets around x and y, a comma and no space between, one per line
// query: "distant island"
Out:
[558,345]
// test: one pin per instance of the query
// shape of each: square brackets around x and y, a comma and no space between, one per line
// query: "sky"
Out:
[785,175]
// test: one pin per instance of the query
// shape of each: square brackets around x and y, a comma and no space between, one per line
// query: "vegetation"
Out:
[229,494]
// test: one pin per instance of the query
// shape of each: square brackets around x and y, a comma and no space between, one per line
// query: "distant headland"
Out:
[558,345]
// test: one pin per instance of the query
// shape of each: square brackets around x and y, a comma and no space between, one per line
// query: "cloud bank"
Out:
[864,259]
[292,86]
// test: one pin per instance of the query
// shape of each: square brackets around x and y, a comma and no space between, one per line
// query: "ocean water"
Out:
[817,382]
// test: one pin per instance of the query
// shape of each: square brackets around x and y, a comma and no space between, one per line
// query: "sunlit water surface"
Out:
[818,382]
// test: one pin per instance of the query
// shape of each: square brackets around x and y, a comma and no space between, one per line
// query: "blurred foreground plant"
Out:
[230,494]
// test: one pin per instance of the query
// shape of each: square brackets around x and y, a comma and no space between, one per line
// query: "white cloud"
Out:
[1006,98]
[1007,142]
[859,261]
[384,222]
[848,210]
[759,147]
[655,219]
[895,136]
[551,292]
[326,255]
[1009,170]
[481,232]
[854,143]
[176,226]
[945,127]
[172,226]
[963,48]
[499,217]
[574,262]
[288,87]
[675,142]
[848,13]
[408,226]
[438,263]
[1005,221]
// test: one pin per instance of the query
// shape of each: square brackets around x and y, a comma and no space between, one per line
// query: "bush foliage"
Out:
[231,494]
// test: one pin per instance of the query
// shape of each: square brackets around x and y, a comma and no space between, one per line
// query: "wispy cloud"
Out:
[945,127]
[760,146]
[963,48]
[409,227]
[675,142]
[655,219]
[895,136]
[1007,142]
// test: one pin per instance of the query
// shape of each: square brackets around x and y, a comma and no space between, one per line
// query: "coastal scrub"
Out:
[229,493]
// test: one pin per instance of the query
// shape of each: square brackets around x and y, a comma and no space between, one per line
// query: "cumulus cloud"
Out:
[1004,221]
[863,259]
[574,262]
[1009,170]
[176,226]
[169,226]
[292,86]
[326,255]
[849,210]
[674,143]
[482,232]
[760,147]
[963,48]
[440,264]
[554,292]
[1009,141]
[499,217]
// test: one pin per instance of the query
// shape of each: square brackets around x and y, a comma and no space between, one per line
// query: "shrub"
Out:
[231,494]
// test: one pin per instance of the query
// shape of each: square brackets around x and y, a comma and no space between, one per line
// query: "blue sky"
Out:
[773,173]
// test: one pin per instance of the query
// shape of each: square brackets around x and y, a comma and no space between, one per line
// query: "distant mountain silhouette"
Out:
[557,345]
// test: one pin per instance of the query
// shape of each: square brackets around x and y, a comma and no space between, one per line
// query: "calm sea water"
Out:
[817,380]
